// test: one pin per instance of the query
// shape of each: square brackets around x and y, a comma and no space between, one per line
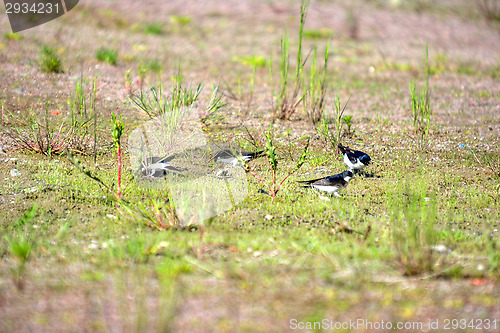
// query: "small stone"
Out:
[15,173]
[269,217]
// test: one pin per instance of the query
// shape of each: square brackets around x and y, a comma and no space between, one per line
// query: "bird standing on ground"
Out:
[331,184]
[356,160]
[228,157]
[159,167]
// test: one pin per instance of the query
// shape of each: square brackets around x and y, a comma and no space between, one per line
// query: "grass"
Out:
[315,97]
[421,110]
[106,55]
[420,239]
[49,61]
[332,137]
[272,246]
[154,28]
[414,235]
[287,103]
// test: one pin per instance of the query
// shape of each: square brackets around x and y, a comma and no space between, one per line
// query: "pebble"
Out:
[15,173]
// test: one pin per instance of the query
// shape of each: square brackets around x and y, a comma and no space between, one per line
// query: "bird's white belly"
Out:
[327,189]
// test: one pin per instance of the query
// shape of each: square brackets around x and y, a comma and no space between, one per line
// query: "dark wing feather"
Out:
[325,181]
[253,154]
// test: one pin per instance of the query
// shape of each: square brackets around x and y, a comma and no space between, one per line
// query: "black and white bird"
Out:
[157,167]
[228,157]
[331,184]
[356,160]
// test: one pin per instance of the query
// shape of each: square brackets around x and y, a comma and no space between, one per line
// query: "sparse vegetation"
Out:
[421,104]
[49,61]
[273,160]
[109,56]
[413,218]
[419,239]
[332,137]
[154,28]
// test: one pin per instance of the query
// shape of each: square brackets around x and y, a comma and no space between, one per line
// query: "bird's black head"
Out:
[365,159]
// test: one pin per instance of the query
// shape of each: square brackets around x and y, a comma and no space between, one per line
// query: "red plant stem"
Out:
[274,191]
[119,194]
[283,181]
[260,179]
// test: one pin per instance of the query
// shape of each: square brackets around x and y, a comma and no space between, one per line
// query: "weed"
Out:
[216,103]
[348,122]
[314,99]
[494,256]
[117,126]
[154,28]
[325,132]
[413,234]
[252,61]
[49,61]
[490,9]
[83,117]
[40,138]
[490,163]
[421,105]
[20,247]
[180,20]
[12,36]
[109,56]
[156,103]
[286,104]
[318,34]
[272,158]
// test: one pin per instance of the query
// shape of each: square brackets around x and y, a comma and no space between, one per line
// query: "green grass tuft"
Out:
[109,56]
[49,61]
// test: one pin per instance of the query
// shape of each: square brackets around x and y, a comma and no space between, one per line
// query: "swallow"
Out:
[331,184]
[356,160]
[157,167]
[228,157]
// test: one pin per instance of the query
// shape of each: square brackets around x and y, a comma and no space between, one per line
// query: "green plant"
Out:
[12,36]
[83,117]
[40,137]
[117,126]
[216,103]
[180,20]
[348,122]
[49,61]
[20,246]
[107,55]
[286,103]
[155,28]
[318,34]
[333,138]
[272,158]
[421,105]
[490,163]
[315,97]
[413,217]
[252,61]
[494,256]
[156,103]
